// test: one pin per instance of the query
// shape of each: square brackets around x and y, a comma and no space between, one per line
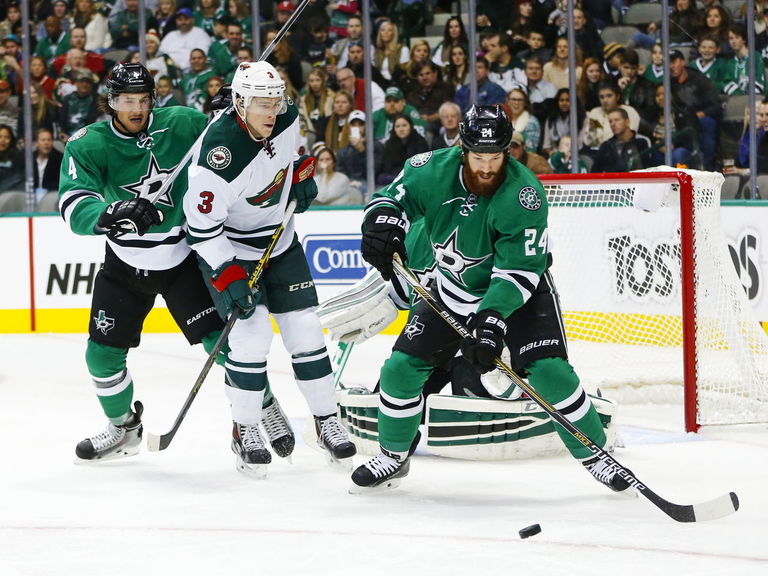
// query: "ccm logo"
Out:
[539,344]
[300,286]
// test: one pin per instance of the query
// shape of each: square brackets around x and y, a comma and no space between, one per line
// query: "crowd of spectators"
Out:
[420,86]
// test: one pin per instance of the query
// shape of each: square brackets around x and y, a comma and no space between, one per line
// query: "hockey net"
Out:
[653,306]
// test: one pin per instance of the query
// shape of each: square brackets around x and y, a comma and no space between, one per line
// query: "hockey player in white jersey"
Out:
[242,177]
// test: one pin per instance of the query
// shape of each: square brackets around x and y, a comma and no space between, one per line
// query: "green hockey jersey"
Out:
[489,251]
[101,166]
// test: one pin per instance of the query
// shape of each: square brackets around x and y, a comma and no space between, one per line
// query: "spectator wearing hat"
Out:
[10,63]
[158,63]
[356,86]
[79,108]
[78,41]
[352,158]
[180,43]
[9,112]
[625,150]
[612,54]
[450,116]
[124,25]
[535,163]
[223,53]
[333,187]
[394,105]
[696,105]
[56,41]
[488,92]
[85,15]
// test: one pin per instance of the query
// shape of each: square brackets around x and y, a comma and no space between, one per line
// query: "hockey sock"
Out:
[400,400]
[209,341]
[314,377]
[113,382]
[555,380]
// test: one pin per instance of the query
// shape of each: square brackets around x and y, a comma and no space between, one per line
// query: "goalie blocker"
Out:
[471,428]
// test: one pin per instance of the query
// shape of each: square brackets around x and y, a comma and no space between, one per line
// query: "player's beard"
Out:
[482,187]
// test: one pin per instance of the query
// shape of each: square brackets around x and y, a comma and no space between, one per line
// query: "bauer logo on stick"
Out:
[219,158]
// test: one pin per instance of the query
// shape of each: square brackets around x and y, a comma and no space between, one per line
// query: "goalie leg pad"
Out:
[361,311]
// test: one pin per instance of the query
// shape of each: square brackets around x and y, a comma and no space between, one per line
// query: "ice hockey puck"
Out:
[529,531]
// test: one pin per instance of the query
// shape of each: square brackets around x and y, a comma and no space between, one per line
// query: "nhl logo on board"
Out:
[529,198]
[219,158]
[79,134]
[420,159]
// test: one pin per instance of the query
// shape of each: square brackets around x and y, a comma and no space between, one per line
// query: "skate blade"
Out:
[383,487]
[117,455]
[255,471]
[340,464]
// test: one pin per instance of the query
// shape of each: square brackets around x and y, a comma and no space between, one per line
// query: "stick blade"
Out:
[156,443]
[720,507]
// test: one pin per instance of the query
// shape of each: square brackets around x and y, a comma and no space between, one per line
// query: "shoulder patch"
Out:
[219,158]
[79,134]
[529,198]
[420,159]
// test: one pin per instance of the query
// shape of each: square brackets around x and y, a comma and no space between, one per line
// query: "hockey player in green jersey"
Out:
[486,218]
[108,172]
[242,177]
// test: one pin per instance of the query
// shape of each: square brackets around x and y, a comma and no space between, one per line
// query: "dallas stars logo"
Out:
[450,259]
[425,277]
[151,182]
[414,328]
[103,323]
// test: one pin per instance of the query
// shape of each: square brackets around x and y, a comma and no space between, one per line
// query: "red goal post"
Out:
[653,307]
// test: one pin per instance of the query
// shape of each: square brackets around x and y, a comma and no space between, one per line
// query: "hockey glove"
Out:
[231,281]
[223,98]
[126,216]
[489,330]
[304,187]
[383,237]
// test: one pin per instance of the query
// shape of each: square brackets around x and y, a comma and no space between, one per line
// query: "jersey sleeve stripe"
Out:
[204,231]
[263,231]
[150,242]
[71,198]
[523,280]
[382,203]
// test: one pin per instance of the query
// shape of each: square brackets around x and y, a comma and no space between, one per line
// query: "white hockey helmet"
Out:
[256,80]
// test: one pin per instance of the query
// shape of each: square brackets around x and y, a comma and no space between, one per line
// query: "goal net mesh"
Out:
[616,243]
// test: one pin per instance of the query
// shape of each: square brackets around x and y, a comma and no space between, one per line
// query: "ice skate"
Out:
[332,438]
[252,454]
[115,442]
[605,473]
[278,429]
[382,472]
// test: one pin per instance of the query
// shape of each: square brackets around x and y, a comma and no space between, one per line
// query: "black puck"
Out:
[529,531]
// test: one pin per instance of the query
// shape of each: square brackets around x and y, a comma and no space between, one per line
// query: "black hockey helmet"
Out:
[486,129]
[130,77]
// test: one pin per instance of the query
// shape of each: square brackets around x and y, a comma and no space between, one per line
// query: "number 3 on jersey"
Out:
[206,204]
[535,244]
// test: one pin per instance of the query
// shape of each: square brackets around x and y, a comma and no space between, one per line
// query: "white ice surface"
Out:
[186,511]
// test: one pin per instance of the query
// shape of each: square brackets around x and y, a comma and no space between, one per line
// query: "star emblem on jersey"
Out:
[151,183]
[529,198]
[103,323]
[450,259]
[413,328]
[219,158]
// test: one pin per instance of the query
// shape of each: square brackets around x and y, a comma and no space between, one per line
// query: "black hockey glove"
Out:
[231,281]
[223,98]
[489,330]
[126,216]
[383,237]
[303,187]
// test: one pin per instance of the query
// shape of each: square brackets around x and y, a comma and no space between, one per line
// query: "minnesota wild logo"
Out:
[267,196]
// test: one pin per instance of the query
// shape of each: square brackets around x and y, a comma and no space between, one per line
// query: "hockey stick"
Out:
[156,443]
[168,182]
[710,510]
